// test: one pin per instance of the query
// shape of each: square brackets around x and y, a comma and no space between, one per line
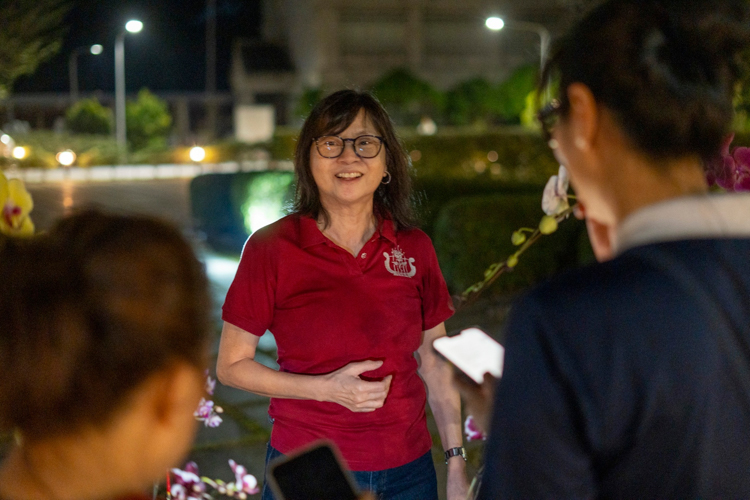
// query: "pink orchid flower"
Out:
[730,170]
[473,433]
[210,385]
[244,482]
[187,484]
[207,413]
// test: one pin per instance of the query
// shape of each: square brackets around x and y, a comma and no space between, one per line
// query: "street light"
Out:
[496,24]
[132,26]
[95,49]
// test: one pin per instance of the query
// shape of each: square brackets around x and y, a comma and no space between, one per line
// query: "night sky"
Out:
[169,54]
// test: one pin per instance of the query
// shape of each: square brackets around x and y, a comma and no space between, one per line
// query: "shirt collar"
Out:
[688,217]
[310,235]
[387,230]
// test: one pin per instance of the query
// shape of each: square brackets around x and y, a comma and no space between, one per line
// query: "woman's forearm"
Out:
[236,367]
[249,375]
[444,400]
[445,403]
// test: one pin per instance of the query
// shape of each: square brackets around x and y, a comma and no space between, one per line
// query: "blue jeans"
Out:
[413,481]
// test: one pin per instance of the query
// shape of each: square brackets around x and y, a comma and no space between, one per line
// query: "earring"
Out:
[581,143]
[387,174]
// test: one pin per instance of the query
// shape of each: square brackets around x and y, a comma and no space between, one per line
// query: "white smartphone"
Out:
[473,352]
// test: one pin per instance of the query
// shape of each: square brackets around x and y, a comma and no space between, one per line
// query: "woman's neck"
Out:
[349,228]
[632,182]
[61,469]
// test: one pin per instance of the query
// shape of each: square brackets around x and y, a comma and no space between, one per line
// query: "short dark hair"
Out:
[333,115]
[667,69]
[89,311]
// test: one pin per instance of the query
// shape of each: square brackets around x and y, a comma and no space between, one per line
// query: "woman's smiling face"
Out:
[348,180]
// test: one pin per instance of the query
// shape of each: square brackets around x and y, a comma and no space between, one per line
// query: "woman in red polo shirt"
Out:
[354,296]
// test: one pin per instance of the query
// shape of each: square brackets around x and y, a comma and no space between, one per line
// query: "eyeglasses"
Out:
[365,146]
[548,117]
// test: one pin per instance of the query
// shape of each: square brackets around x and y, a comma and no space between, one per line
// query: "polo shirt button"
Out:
[364,255]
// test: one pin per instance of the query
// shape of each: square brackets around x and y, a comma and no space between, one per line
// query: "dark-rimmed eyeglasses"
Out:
[548,117]
[365,146]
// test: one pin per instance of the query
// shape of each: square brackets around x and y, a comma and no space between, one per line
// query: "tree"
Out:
[475,101]
[31,32]
[307,101]
[88,116]
[406,97]
[148,121]
[514,90]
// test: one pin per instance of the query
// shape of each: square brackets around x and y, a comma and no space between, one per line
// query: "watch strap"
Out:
[455,452]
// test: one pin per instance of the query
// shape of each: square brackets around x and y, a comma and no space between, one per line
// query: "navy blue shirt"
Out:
[617,383]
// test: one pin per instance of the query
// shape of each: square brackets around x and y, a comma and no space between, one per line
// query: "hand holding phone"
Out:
[473,352]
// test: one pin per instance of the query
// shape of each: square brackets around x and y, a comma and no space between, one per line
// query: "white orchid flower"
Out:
[555,197]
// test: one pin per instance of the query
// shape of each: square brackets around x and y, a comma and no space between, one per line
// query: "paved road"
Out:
[167,198]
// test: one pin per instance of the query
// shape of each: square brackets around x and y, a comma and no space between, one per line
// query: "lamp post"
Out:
[95,49]
[133,26]
[496,24]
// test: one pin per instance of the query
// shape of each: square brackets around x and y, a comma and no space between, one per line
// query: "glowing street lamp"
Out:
[496,24]
[66,158]
[95,49]
[197,154]
[19,152]
[132,26]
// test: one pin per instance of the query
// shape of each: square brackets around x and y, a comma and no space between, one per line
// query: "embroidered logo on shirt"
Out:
[398,265]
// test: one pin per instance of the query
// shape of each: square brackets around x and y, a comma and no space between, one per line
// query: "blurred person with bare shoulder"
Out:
[354,296]
[105,323]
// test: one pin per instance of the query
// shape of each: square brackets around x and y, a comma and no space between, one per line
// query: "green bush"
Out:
[88,116]
[474,102]
[472,233]
[431,194]
[148,121]
[512,155]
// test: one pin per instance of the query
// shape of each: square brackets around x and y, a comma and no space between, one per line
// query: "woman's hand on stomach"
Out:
[345,387]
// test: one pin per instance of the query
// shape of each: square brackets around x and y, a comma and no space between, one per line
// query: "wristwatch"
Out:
[455,452]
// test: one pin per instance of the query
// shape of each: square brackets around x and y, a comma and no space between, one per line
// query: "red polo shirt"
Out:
[326,309]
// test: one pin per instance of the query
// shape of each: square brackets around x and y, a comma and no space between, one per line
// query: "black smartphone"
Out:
[315,472]
[473,352]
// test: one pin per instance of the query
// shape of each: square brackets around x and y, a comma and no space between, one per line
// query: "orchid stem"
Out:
[472,293]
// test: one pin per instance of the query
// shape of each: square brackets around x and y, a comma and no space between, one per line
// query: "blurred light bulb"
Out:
[19,152]
[197,153]
[134,26]
[96,49]
[494,23]
[5,139]
[66,158]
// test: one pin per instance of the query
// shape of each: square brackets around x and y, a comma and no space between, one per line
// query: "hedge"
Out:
[508,154]
[471,233]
